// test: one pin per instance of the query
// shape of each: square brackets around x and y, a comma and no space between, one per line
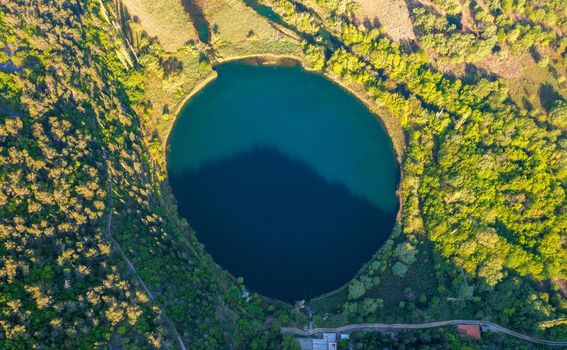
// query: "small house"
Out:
[469,331]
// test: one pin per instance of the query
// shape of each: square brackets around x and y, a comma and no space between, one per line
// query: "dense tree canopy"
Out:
[482,228]
[484,178]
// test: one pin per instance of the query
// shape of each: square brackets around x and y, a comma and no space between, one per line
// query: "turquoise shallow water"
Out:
[288,180]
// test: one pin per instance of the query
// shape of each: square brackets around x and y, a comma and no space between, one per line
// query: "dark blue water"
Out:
[287,179]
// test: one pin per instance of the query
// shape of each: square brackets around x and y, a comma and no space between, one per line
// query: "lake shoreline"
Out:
[390,125]
[398,143]
[299,164]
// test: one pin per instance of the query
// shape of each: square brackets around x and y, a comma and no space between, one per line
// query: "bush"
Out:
[356,289]
[399,269]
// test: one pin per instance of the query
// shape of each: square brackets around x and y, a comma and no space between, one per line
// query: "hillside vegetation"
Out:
[484,180]
[71,151]
[90,91]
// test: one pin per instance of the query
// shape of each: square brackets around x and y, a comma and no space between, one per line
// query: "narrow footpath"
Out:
[118,249]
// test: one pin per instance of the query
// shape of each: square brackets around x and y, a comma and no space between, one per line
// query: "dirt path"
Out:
[118,249]
[388,326]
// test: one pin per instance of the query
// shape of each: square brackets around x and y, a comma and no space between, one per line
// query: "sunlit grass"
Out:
[237,30]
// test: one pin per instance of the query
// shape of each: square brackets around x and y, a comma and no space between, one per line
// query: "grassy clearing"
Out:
[530,85]
[509,67]
[167,93]
[393,15]
[538,86]
[175,69]
[238,31]
[164,19]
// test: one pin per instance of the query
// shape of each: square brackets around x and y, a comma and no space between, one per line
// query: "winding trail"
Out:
[403,326]
[118,248]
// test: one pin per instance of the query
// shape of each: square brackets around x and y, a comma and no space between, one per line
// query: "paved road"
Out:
[386,326]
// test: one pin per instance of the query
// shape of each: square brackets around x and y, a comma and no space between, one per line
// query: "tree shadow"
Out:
[536,56]
[553,71]
[276,222]
[527,104]
[268,13]
[371,22]
[413,4]
[265,11]
[456,20]
[171,65]
[408,46]
[125,19]
[195,11]
[548,96]
[474,73]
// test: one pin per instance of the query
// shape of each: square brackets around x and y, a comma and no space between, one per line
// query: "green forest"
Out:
[94,254]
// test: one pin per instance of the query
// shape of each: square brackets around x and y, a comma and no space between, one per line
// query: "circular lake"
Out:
[288,180]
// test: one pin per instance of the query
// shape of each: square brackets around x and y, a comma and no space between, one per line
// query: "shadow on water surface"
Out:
[274,221]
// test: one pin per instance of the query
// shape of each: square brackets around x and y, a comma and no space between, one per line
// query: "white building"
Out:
[329,342]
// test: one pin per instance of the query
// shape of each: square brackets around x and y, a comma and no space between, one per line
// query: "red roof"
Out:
[469,330]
